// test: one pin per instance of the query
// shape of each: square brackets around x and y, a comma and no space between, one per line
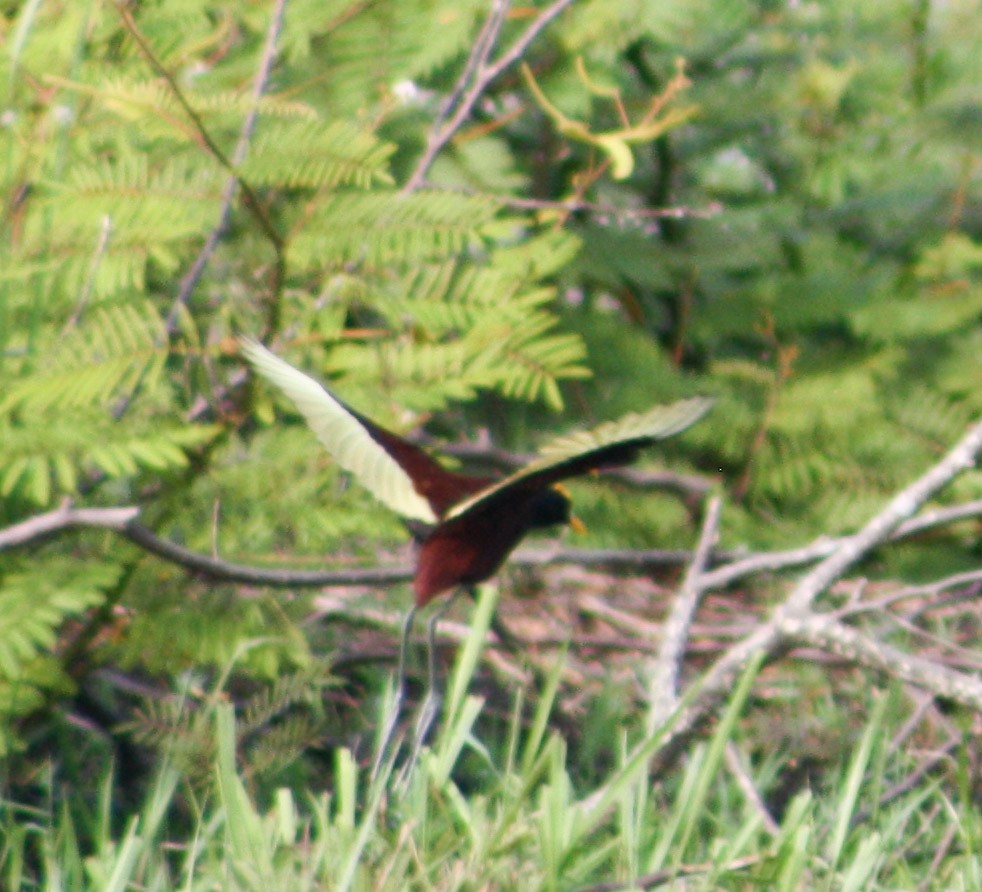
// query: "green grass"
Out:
[515,811]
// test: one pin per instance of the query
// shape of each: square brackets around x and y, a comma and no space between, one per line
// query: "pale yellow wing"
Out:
[607,445]
[355,442]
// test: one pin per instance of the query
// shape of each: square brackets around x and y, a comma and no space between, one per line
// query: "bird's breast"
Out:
[464,551]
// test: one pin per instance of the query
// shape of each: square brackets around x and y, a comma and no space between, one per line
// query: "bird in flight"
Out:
[474,522]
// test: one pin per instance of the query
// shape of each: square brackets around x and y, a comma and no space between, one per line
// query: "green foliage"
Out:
[107,356]
[37,602]
[312,156]
[805,247]
[382,228]
[278,724]
[57,416]
[530,825]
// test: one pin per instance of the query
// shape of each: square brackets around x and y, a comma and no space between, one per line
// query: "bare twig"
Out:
[792,619]
[225,571]
[938,757]
[899,509]
[663,688]
[479,73]
[102,245]
[625,621]
[192,276]
[480,53]
[746,783]
[942,851]
[627,215]
[249,196]
[615,559]
[834,637]
[930,519]
[729,573]
[822,547]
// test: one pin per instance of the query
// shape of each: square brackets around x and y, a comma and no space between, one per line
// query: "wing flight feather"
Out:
[343,433]
[611,443]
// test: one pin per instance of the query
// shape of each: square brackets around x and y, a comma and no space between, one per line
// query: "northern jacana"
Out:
[475,522]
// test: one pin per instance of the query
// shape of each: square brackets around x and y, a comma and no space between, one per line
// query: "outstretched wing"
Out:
[608,445]
[377,457]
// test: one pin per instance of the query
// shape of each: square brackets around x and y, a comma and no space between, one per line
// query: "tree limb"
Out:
[793,618]
[122,520]
[663,689]
[845,641]
[65,518]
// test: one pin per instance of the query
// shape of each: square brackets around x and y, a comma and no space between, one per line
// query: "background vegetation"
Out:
[483,223]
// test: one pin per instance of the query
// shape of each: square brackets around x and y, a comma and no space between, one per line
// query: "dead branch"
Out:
[475,78]
[795,620]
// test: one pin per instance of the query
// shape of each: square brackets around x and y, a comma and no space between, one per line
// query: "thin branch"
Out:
[926,597]
[62,518]
[249,196]
[900,508]
[912,780]
[190,280]
[605,213]
[623,620]
[226,571]
[615,559]
[626,561]
[522,44]
[845,641]
[729,573]
[937,516]
[942,849]
[622,215]
[480,74]
[480,53]
[102,245]
[663,688]
[745,782]
[792,617]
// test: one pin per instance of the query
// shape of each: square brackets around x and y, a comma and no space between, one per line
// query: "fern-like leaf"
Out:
[382,227]
[36,603]
[115,350]
[317,156]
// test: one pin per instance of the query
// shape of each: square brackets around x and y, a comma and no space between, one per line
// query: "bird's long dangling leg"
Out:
[430,707]
[392,719]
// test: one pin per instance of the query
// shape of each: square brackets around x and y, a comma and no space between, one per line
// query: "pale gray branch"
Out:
[735,569]
[663,687]
[65,517]
[794,615]
[845,641]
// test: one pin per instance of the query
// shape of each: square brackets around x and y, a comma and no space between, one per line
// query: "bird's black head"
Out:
[548,508]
